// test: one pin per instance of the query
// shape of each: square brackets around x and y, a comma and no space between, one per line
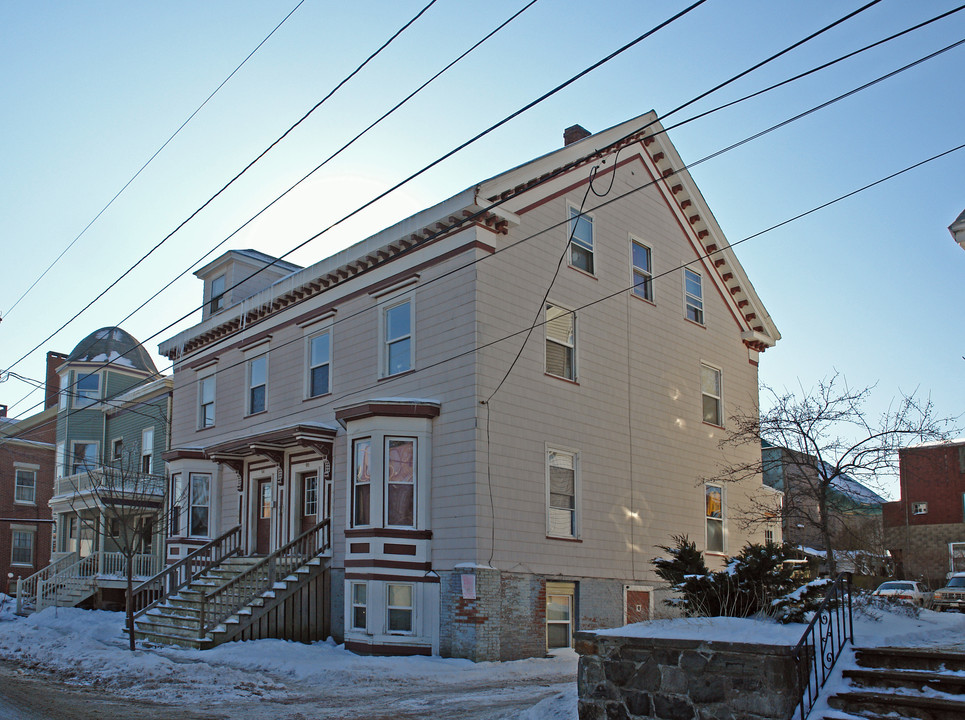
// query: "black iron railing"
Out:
[822,642]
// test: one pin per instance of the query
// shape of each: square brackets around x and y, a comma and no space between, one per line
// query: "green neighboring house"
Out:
[113,425]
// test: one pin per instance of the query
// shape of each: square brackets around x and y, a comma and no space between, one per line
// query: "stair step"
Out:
[910,659]
[168,639]
[918,707]
[910,679]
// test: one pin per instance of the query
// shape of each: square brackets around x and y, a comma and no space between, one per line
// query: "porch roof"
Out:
[276,439]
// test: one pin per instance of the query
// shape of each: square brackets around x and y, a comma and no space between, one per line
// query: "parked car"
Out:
[952,596]
[906,590]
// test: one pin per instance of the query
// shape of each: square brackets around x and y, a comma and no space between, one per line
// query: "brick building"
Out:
[26,484]
[925,528]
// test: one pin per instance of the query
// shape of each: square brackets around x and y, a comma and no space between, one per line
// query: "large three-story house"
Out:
[503,403]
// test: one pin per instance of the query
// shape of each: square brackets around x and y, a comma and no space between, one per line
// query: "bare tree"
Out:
[126,507]
[828,436]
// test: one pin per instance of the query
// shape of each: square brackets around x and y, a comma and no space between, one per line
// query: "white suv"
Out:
[952,596]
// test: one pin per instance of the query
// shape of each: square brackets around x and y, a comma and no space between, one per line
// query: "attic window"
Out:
[919,508]
[217,294]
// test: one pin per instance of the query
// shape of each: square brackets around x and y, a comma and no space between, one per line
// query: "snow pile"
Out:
[7,606]
[715,629]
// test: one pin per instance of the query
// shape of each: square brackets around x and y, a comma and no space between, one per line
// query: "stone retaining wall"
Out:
[623,678]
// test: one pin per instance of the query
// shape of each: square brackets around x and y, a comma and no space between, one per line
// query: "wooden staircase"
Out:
[227,597]
[903,684]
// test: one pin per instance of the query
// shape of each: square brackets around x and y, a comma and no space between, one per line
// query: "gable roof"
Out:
[491,204]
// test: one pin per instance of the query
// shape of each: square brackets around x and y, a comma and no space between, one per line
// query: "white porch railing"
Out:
[69,580]
[114,484]
[27,587]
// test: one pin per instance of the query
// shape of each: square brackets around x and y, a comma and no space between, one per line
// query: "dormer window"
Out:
[217,294]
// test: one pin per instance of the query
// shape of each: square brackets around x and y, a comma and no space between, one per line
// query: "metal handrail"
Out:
[174,577]
[822,642]
[225,600]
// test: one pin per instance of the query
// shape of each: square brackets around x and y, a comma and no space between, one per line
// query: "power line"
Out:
[229,183]
[150,159]
[599,152]
[398,185]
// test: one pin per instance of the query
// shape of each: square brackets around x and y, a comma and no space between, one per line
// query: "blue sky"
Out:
[871,287]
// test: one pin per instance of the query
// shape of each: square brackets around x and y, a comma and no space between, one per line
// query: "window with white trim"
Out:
[397,342]
[199,499]
[714,515]
[64,393]
[694,296]
[581,244]
[361,482]
[562,493]
[641,270]
[60,460]
[117,449]
[84,457]
[559,620]
[257,384]
[311,495]
[217,294]
[769,536]
[87,390]
[22,542]
[359,605]
[147,449]
[319,364]
[206,394]
[400,482]
[25,487]
[919,508]
[710,395]
[560,342]
[398,608]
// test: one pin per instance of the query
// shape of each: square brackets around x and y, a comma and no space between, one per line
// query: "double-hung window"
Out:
[400,482]
[693,296]
[561,494]
[23,547]
[581,240]
[319,364]
[361,481]
[710,395]
[85,458]
[217,294]
[25,490]
[714,512]
[257,384]
[397,338]
[199,495]
[87,390]
[206,388]
[560,342]
[399,608]
[147,449]
[359,605]
[642,272]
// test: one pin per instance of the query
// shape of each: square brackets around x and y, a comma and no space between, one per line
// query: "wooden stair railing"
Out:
[229,597]
[174,577]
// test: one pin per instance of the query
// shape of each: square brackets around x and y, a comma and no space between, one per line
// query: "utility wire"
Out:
[397,185]
[230,182]
[631,192]
[150,159]
[596,153]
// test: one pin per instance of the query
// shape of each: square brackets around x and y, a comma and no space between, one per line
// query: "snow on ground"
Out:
[87,647]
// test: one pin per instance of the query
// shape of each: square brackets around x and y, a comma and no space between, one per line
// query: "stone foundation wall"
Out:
[633,678]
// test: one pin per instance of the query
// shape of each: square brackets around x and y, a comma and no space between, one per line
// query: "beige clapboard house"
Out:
[464,523]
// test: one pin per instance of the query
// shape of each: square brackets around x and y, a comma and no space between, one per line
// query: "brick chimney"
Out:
[574,133]
[3,411]
[52,380]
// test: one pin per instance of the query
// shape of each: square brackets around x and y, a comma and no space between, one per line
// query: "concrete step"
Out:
[172,630]
[897,706]
[910,659]
[161,638]
[915,680]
